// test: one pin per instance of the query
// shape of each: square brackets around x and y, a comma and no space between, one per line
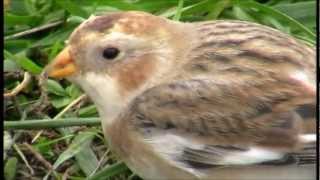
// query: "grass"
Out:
[38,143]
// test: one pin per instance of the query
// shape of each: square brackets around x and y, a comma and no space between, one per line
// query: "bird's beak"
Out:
[62,66]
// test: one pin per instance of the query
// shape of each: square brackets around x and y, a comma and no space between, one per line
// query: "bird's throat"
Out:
[103,91]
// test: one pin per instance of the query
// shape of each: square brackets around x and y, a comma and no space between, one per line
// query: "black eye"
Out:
[110,53]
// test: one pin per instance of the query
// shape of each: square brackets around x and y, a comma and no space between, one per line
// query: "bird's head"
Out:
[115,56]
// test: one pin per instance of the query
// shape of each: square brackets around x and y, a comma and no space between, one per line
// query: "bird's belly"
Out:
[264,173]
[150,166]
[158,171]
[145,161]
[139,156]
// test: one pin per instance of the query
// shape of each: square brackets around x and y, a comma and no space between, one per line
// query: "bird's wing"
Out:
[243,96]
[198,123]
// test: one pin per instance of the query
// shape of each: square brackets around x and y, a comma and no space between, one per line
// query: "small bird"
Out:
[216,100]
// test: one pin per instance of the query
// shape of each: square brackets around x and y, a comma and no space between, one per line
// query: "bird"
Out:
[219,99]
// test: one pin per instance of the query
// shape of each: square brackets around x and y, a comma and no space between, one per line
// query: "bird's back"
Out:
[240,85]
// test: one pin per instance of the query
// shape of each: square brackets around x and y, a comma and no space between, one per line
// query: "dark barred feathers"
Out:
[247,48]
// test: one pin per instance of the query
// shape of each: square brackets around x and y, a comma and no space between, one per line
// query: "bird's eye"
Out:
[110,53]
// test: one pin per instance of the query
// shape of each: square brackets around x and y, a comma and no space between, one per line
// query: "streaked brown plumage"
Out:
[208,100]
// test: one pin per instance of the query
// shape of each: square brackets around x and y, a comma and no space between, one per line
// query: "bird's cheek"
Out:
[62,66]
[131,76]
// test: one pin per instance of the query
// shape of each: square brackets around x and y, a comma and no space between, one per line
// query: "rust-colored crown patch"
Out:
[137,23]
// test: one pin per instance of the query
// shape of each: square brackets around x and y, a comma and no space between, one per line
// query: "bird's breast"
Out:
[130,146]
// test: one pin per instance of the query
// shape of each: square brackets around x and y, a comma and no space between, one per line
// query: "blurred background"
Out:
[36,30]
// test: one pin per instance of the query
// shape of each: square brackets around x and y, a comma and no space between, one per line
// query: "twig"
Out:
[17,106]
[36,136]
[76,101]
[34,30]
[24,159]
[38,156]
[20,87]
[67,172]
[27,176]
[43,100]
[100,163]
[13,74]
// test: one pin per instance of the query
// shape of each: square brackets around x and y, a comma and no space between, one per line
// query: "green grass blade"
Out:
[277,14]
[73,8]
[217,8]
[186,10]
[87,160]
[79,142]
[13,20]
[178,11]
[23,62]
[109,171]
[50,123]
[10,168]
[55,88]
[304,12]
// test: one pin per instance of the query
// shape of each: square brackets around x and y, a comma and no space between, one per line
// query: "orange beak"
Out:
[62,66]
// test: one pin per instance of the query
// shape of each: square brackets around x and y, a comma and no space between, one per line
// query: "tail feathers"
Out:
[306,156]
